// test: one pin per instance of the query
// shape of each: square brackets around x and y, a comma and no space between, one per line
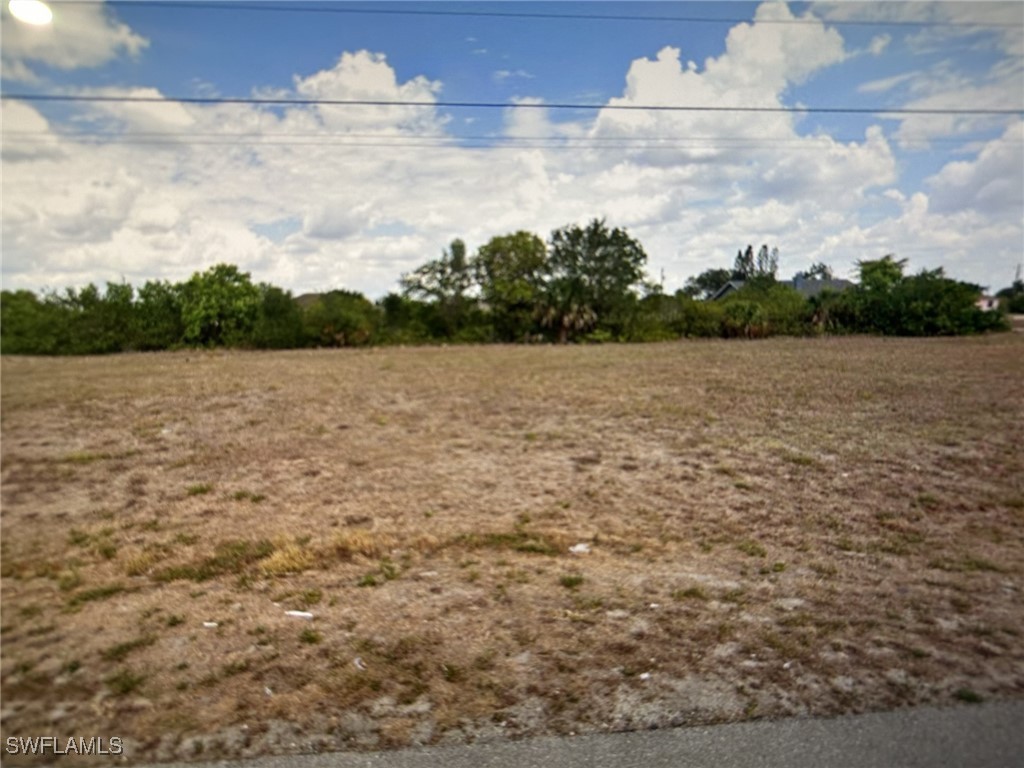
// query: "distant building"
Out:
[731,287]
[808,288]
[987,303]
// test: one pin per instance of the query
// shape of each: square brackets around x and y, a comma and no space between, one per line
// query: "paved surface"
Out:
[987,735]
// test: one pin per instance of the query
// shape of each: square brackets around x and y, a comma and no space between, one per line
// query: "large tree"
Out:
[593,276]
[446,282]
[761,267]
[341,319]
[510,272]
[881,275]
[158,307]
[219,306]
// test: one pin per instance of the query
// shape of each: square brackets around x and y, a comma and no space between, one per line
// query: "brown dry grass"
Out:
[789,526]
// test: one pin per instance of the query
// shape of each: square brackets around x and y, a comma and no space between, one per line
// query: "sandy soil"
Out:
[499,542]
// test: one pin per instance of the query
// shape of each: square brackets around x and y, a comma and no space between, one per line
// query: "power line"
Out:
[332,9]
[207,100]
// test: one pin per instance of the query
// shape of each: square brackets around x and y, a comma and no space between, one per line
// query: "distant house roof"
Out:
[806,288]
[725,290]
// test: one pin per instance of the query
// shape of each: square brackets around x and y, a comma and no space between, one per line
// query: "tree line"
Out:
[585,284]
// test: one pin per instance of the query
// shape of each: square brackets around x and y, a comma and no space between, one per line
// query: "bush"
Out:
[341,319]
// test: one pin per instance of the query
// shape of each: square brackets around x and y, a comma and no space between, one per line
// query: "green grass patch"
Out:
[124,682]
[968,696]
[199,489]
[571,580]
[802,460]
[96,593]
[249,496]
[966,564]
[233,557]
[121,650]
[752,548]
[516,541]
[310,637]
[690,593]
[85,457]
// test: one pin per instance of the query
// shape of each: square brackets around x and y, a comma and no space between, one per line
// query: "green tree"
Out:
[593,275]
[279,322]
[342,319]
[510,272]
[765,309]
[705,284]
[926,304]
[405,320]
[89,322]
[219,307]
[1012,298]
[743,267]
[158,308]
[818,271]
[446,282]
[881,275]
[117,319]
[743,318]
[760,268]
[931,304]
[30,326]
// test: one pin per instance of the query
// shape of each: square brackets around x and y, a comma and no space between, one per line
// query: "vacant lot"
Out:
[768,528]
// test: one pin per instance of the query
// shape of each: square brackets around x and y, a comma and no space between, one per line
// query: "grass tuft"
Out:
[124,682]
[96,593]
[121,650]
[571,580]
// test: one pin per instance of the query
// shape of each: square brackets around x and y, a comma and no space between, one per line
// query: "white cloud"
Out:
[85,35]
[878,44]
[363,203]
[993,183]
[506,74]
[368,76]
[885,84]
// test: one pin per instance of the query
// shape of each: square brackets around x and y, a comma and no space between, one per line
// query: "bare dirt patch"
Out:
[505,541]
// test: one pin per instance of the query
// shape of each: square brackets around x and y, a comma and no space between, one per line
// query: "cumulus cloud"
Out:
[371,192]
[367,76]
[760,62]
[85,35]
[992,183]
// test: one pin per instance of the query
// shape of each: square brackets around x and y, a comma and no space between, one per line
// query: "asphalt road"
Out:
[989,735]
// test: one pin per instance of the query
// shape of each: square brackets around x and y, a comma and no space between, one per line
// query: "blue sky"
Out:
[317,197]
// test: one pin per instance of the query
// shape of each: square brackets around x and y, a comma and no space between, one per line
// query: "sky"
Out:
[313,197]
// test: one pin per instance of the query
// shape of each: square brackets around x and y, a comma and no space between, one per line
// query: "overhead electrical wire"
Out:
[282,102]
[335,9]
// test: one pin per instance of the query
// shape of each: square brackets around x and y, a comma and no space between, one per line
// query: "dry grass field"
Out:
[792,526]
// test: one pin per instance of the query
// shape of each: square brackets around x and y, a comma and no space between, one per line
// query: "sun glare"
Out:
[31,11]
